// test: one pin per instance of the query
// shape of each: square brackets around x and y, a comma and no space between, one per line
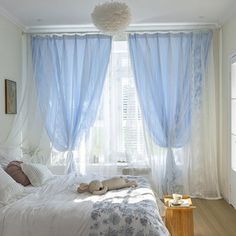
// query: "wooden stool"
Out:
[179,219]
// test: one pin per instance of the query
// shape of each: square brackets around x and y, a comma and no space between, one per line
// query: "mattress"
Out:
[57,209]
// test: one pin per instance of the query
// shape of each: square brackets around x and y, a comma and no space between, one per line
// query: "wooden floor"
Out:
[214,218]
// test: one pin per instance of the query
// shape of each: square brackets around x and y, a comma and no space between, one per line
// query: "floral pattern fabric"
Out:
[127,212]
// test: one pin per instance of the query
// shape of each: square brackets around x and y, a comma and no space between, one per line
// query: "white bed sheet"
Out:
[57,209]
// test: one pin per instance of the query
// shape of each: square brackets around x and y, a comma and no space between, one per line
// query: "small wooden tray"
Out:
[167,198]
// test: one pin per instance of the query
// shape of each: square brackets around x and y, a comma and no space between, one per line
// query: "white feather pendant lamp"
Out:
[111,17]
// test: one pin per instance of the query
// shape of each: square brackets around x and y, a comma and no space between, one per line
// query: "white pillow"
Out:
[4,162]
[38,174]
[8,187]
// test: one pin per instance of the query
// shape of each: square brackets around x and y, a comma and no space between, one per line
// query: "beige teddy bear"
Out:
[100,187]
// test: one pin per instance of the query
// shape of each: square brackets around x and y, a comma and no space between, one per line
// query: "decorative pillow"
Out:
[38,174]
[15,171]
[8,187]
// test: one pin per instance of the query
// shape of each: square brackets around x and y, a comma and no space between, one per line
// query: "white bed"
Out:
[57,209]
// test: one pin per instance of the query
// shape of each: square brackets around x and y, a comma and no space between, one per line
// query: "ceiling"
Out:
[32,13]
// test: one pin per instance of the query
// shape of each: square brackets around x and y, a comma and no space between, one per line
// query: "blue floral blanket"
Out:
[127,212]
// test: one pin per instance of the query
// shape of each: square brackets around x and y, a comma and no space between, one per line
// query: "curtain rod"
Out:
[142,28]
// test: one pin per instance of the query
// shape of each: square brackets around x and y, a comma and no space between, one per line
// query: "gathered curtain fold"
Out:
[69,71]
[169,71]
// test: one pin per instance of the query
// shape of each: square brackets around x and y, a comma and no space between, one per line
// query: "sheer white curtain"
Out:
[196,162]
[24,140]
[192,166]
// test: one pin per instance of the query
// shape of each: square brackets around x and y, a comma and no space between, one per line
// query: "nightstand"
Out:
[179,219]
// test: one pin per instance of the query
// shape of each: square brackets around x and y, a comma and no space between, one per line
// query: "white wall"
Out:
[10,67]
[228,48]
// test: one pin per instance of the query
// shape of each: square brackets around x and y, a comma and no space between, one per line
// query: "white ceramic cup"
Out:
[176,197]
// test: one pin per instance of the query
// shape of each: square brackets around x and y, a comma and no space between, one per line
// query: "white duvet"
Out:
[57,209]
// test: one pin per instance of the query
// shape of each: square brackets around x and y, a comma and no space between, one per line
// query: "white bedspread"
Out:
[56,209]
